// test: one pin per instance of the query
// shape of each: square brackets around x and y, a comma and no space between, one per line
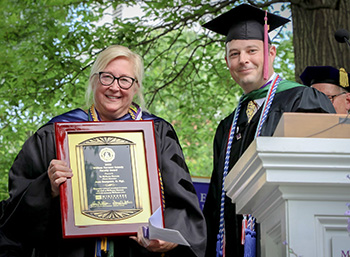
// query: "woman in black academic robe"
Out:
[31,222]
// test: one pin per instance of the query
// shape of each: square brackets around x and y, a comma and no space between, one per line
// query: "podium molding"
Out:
[297,189]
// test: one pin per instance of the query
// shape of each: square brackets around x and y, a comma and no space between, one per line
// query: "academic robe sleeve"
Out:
[182,211]
[27,211]
[313,101]
[300,99]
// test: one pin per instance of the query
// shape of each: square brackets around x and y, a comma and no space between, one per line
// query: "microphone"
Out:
[342,36]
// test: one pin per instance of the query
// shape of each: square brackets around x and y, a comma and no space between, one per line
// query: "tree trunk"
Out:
[314,25]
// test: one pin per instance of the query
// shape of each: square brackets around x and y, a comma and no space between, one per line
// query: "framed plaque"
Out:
[115,186]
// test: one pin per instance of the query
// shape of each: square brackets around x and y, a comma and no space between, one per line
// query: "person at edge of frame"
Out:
[332,82]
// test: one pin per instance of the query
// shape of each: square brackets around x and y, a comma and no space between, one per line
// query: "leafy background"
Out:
[47,48]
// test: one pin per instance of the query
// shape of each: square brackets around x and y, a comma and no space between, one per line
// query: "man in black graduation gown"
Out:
[332,82]
[251,66]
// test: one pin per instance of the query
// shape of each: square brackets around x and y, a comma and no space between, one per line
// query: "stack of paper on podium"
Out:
[318,125]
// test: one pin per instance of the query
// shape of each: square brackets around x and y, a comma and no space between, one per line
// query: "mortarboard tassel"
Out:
[343,78]
[266,49]
[250,241]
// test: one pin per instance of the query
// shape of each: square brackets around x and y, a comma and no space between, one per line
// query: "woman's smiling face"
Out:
[113,102]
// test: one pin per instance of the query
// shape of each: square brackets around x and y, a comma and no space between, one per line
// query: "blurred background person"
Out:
[332,82]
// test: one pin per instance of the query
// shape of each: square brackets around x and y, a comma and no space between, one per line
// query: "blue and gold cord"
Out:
[163,199]
[161,188]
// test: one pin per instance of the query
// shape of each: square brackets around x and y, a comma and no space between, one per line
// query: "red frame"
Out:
[62,129]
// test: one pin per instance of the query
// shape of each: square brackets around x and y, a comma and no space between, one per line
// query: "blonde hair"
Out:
[103,59]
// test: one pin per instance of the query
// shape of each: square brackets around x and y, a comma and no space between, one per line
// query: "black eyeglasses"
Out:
[107,79]
[331,97]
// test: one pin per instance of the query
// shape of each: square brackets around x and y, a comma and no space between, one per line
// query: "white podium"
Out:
[297,189]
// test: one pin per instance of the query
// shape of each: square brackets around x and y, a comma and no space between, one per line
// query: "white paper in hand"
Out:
[156,230]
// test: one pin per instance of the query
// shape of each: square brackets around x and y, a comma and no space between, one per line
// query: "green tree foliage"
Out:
[48,46]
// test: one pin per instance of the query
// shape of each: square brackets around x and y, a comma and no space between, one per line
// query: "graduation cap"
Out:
[247,22]
[325,74]
[244,22]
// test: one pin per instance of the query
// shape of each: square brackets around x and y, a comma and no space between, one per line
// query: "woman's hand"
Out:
[58,173]
[153,245]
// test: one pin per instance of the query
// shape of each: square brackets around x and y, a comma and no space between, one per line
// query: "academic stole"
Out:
[135,113]
[269,98]
[103,244]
